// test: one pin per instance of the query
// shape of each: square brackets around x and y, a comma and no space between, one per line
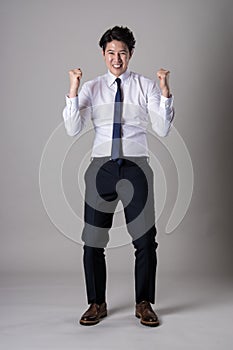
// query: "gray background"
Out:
[40,42]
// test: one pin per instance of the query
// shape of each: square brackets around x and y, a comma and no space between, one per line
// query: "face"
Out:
[117,57]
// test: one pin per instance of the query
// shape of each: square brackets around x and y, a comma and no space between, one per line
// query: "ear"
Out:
[103,53]
[131,54]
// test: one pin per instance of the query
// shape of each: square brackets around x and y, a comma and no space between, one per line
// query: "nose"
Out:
[118,57]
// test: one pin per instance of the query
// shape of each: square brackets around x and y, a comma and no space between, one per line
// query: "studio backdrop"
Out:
[42,168]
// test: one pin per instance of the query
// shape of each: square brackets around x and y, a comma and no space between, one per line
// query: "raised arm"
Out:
[77,109]
[160,104]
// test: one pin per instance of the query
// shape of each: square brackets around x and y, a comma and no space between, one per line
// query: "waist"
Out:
[126,159]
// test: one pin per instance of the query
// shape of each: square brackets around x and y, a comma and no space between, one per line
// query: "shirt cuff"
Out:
[166,102]
[72,102]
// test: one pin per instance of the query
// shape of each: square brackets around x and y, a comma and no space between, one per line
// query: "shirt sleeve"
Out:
[77,111]
[161,111]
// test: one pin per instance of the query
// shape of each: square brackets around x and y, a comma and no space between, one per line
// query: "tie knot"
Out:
[118,81]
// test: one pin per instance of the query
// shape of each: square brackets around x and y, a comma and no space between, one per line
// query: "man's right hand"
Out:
[75,77]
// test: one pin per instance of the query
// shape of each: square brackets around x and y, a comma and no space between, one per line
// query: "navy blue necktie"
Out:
[116,135]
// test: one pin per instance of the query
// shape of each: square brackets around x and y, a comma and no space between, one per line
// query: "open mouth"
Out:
[117,66]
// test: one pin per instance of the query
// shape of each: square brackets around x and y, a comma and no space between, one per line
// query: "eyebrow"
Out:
[114,50]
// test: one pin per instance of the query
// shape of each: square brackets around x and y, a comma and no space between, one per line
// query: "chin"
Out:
[117,72]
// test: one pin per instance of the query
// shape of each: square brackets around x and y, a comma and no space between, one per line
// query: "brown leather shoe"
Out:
[93,314]
[147,315]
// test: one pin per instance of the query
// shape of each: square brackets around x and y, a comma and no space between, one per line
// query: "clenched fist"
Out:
[163,76]
[75,77]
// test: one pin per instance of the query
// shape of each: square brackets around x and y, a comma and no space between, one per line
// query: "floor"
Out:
[39,311]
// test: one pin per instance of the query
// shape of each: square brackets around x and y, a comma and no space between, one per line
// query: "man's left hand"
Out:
[163,76]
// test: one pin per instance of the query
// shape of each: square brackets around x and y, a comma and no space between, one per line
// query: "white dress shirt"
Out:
[142,102]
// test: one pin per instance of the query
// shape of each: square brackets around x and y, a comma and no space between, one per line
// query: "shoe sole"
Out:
[92,323]
[147,323]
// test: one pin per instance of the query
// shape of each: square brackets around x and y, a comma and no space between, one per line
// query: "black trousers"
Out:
[105,186]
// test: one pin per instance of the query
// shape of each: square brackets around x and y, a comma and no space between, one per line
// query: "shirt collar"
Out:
[111,78]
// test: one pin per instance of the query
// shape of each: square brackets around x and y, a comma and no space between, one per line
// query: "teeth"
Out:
[116,65]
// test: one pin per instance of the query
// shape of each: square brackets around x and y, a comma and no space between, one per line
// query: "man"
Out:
[120,104]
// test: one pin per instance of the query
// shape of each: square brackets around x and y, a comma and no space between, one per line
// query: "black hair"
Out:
[118,33]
